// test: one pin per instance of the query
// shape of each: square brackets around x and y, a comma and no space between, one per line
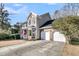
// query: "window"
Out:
[33,20]
[29,22]
[30,33]
[33,29]
[33,35]
[25,32]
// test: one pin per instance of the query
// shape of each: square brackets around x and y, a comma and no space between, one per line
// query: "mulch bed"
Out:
[71,50]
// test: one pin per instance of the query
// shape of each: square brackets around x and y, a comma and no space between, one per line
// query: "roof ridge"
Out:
[33,12]
[45,14]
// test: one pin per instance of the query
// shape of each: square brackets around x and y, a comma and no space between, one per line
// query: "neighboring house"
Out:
[23,30]
[39,27]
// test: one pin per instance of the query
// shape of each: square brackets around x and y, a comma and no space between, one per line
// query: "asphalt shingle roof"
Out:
[48,23]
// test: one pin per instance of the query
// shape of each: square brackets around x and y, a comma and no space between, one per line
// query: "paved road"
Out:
[34,48]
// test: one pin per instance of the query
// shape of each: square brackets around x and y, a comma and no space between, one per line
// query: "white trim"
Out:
[48,27]
[47,35]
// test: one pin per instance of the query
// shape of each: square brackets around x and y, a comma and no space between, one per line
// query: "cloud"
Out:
[51,3]
[18,14]
[21,10]
[11,10]
[18,5]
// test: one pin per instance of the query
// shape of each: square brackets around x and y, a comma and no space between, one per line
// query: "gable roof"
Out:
[32,13]
[48,23]
[45,15]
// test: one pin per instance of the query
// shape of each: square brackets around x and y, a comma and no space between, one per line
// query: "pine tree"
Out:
[4,20]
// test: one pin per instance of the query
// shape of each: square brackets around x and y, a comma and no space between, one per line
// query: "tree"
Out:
[16,28]
[69,9]
[4,20]
[56,14]
[68,25]
[17,25]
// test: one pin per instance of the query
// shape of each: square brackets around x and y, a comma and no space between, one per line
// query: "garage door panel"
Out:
[47,35]
[43,35]
[57,36]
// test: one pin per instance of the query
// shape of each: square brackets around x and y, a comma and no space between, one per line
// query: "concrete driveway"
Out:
[34,48]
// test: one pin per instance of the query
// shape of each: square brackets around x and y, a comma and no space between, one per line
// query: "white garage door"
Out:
[57,36]
[42,35]
[47,35]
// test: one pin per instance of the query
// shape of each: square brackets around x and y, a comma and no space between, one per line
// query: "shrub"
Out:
[74,41]
[38,39]
[4,36]
[15,36]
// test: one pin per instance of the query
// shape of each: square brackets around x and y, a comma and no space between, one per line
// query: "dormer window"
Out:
[29,22]
[33,20]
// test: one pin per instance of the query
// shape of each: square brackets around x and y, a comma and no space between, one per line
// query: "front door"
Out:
[23,33]
[33,33]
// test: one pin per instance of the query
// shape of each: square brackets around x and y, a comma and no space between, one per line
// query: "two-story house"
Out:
[34,22]
[35,26]
[32,26]
[40,27]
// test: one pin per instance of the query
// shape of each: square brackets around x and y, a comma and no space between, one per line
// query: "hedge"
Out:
[15,36]
[4,36]
[74,41]
[9,37]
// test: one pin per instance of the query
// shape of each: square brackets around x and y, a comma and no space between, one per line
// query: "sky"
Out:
[20,11]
